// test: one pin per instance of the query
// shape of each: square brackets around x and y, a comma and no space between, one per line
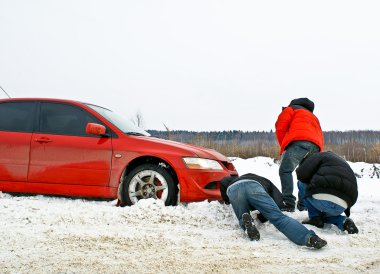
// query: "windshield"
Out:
[120,122]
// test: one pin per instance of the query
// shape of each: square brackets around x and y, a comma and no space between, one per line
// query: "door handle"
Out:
[43,140]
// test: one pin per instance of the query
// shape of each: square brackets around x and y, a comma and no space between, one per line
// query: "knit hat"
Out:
[303,102]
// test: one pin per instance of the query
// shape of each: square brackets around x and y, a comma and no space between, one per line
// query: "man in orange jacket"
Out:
[299,135]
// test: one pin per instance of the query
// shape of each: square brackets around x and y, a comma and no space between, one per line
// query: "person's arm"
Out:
[277,196]
[224,184]
[282,123]
[308,167]
[274,192]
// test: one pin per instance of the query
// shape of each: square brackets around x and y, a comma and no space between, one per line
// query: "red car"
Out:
[63,147]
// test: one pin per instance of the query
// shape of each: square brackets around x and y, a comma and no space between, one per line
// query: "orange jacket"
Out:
[298,125]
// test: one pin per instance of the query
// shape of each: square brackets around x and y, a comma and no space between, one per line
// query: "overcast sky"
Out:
[198,65]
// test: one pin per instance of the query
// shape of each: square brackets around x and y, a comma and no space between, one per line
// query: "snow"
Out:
[44,234]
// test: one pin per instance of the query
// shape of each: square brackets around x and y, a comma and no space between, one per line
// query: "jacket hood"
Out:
[303,102]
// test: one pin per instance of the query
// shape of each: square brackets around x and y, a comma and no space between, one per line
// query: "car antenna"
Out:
[5,92]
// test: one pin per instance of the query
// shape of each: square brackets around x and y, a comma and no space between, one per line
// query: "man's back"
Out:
[298,124]
[326,172]
[269,187]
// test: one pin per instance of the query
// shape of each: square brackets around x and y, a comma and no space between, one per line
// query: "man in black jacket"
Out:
[253,192]
[329,188]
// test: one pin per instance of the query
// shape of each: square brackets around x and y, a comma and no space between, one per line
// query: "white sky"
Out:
[197,65]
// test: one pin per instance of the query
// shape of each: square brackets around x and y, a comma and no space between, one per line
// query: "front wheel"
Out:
[149,181]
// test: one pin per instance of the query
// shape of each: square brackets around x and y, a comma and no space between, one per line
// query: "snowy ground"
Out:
[40,234]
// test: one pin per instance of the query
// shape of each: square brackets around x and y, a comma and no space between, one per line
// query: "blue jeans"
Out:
[291,158]
[329,211]
[246,195]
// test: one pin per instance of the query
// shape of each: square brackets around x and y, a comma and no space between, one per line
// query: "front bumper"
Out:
[199,185]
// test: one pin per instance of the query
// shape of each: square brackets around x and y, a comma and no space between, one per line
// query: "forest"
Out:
[354,146]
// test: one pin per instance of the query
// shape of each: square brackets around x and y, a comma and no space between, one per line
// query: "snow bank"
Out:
[41,234]
[268,167]
[364,170]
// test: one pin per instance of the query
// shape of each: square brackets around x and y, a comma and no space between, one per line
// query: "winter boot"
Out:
[316,221]
[316,242]
[350,226]
[287,207]
[301,206]
[250,228]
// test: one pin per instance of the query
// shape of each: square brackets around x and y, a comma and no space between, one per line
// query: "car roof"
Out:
[40,99]
[50,100]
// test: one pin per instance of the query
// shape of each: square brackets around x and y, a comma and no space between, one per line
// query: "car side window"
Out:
[64,119]
[17,116]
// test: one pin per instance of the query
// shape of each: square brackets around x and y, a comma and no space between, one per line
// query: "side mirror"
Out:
[96,129]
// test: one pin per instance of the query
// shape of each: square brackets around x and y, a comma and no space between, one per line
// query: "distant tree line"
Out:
[355,146]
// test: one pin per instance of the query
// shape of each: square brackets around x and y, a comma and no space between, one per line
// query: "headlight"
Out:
[201,163]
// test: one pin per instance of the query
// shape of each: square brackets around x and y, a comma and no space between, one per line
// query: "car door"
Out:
[16,125]
[63,153]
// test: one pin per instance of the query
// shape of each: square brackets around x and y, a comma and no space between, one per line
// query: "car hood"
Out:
[190,150]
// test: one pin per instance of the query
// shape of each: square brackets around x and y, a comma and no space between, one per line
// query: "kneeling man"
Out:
[328,186]
[253,192]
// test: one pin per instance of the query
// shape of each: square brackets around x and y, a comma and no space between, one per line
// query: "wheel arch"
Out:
[147,160]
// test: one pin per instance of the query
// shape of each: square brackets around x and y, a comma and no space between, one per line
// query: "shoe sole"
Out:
[251,229]
[288,209]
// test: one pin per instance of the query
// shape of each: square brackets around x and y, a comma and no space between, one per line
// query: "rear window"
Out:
[17,116]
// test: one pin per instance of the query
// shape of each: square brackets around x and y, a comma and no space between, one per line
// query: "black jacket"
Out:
[269,187]
[326,172]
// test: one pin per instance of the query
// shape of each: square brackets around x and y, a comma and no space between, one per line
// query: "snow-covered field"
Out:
[40,234]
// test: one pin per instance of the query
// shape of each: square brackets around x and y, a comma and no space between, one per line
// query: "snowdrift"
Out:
[41,234]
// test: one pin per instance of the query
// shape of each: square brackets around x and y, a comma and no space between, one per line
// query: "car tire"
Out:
[149,181]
